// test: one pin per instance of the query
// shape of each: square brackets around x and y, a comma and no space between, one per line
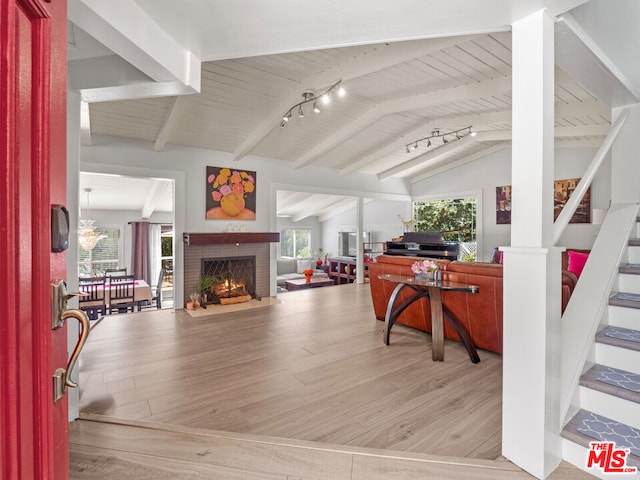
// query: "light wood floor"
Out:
[312,368]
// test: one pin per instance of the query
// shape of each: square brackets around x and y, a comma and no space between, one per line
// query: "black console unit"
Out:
[424,244]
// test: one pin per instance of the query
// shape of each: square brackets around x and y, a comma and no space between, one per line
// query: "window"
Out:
[295,243]
[455,217]
[166,254]
[105,255]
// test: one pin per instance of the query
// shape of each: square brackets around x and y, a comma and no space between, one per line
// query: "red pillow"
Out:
[576,262]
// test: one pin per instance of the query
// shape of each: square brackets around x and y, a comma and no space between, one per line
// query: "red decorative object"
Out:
[308,273]
[318,262]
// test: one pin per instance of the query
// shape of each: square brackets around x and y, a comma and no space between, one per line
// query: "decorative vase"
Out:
[421,276]
[307,278]
[434,275]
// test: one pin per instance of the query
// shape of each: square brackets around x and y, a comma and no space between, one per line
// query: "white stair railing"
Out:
[590,298]
[585,182]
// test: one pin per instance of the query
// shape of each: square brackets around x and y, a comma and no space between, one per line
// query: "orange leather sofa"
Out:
[481,313]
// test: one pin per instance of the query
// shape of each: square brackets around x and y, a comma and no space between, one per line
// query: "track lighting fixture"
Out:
[309,96]
[436,133]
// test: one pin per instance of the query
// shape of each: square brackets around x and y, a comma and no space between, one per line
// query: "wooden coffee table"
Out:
[301,283]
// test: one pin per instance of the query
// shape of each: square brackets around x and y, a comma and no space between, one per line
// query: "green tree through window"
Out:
[456,218]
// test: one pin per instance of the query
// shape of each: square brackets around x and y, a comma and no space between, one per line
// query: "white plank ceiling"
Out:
[396,93]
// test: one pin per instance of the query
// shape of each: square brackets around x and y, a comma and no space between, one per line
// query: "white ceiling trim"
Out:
[385,56]
[587,107]
[438,169]
[431,156]
[138,39]
[168,124]
[559,132]
[402,104]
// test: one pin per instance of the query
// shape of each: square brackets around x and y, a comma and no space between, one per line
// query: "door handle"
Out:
[62,376]
[60,314]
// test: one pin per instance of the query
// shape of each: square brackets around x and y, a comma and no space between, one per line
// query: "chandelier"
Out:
[436,133]
[88,237]
[307,97]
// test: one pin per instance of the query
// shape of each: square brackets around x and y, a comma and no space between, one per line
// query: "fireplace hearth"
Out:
[229,245]
[234,278]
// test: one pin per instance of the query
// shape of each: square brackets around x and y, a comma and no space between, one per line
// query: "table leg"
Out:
[463,334]
[392,315]
[437,328]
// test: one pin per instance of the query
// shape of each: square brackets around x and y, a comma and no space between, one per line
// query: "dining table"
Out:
[141,293]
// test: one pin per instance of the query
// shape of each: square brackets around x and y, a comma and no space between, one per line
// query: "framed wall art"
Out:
[562,190]
[230,194]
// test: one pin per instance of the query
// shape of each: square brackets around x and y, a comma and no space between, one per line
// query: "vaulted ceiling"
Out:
[397,93]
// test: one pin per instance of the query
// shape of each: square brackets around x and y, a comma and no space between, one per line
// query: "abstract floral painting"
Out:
[230,194]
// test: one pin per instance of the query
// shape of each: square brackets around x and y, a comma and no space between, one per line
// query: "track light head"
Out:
[428,143]
[300,112]
[316,108]
[408,149]
[444,140]
[341,91]
[282,123]
[326,99]
[473,134]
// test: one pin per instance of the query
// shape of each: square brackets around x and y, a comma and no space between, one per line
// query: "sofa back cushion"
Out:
[287,265]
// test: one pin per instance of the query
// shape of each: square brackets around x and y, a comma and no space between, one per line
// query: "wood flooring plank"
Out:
[213,451]
[380,468]
[88,463]
[311,367]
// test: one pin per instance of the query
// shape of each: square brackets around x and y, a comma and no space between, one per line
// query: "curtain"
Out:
[140,251]
[155,253]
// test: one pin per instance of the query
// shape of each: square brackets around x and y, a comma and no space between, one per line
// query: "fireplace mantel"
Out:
[227,238]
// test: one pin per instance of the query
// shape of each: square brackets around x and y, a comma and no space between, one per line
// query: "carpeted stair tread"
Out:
[630,268]
[625,299]
[634,242]
[613,381]
[587,427]
[619,337]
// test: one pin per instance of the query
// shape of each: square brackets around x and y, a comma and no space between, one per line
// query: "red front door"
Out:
[33,429]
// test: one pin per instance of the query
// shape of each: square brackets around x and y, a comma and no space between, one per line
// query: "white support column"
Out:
[625,159]
[531,283]
[360,235]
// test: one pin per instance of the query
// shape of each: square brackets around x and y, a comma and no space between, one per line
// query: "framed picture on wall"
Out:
[230,194]
[562,190]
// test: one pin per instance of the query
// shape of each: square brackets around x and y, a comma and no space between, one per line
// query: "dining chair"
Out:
[93,302]
[157,297]
[121,293]
[115,272]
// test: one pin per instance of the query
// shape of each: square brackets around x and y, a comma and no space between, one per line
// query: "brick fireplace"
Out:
[199,247]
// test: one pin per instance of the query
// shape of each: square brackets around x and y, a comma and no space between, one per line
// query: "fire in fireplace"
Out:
[232,278]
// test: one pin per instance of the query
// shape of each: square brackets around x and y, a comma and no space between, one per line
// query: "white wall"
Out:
[187,166]
[495,170]
[380,218]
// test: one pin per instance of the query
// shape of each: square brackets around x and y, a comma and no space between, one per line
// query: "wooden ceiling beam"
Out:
[405,103]
[385,56]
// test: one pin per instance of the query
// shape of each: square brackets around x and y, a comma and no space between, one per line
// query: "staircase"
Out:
[609,391]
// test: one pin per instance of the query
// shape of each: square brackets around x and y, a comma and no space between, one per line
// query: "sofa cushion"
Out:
[287,265]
